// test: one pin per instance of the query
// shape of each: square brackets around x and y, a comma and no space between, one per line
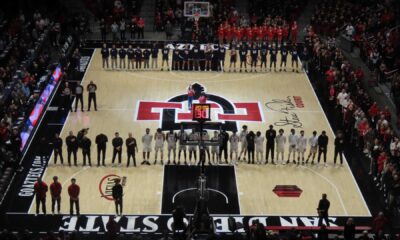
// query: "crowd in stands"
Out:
[24,73]
[366,125]
[372,30]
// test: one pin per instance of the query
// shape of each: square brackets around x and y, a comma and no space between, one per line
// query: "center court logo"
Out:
[107,183]
[173,111]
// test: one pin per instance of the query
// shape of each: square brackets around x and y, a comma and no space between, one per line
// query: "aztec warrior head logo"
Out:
[107,183]
[175,110]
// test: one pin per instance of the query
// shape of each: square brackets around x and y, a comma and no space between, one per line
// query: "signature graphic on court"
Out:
[286,107]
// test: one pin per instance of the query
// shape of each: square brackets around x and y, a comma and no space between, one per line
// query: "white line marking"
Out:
[237,187]
[332,184]
[330,127]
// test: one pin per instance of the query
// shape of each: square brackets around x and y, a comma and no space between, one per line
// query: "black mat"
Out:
[219,178]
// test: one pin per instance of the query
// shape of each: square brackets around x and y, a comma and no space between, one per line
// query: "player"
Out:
[233,58]
[259,142]
[206,137]
[301,147]
[263,54]
[221,57]
[254,56]
[182,136]
[215,148]
[105,53]
[113,53]
[243,143]
[185,56]
[146,58]
[195,57]
[313,142]
[234,142]
[272,55]
[122,55]
[243,57]
[293,52]
[193,136]
[292,139]
[176,59]
[165,53]
[171,140]
[131,56]
[208,53]
[284,53]
[138,58]
[146,141]
[280,146]
[159,139]
[154,57]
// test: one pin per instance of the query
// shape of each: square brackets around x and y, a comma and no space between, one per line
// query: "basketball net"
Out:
[196,17]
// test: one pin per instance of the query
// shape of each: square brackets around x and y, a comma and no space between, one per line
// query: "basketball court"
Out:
[130,101]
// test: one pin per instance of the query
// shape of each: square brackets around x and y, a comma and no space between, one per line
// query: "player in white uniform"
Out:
[182,148]
[171,140]
[215,149]
[292,139]
[301,147]
[280,146]
[159,139]
[243,142]
[313,142]
[234,142]
[193,136]
[146,141]
[206,137]
[259,142]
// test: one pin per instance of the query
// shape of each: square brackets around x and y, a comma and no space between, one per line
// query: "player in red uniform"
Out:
[228,34]
[279,34]
[270,34]
[239,34]
[221,33]
[249,34]
[265,31]
[260,34]
[293,32]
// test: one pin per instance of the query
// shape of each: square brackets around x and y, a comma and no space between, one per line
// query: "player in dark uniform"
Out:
[117,143]
[138,57]
[185,56]
[122,55]
[243,57]
[113,53]
[131,148]
[254,56]
[86,143]
[196,57]
[130,52]
[154,56]
[295,55]
[105,54]
[233,58]
[272,55]
[57,147]
[176,59]
[263,54]
[284,53]
[208,53]
[165,53]
[72,147]
[101,141]
[221,57]
[146,58]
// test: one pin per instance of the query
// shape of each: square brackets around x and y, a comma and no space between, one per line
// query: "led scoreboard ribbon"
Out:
[201,112]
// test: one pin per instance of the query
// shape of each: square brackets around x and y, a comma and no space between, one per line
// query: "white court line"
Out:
[332,184]
[330,127]
[162,188]
[271,111]
[237,186]
[65,122]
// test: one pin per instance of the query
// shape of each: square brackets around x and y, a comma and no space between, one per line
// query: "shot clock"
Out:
[201,112]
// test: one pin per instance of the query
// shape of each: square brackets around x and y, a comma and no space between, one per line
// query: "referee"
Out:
[92,88]
[79,96]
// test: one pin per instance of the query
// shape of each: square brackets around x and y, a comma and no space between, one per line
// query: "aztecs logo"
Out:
[107,183]
[175,110]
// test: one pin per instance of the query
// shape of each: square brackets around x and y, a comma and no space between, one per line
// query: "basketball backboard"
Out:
[192,8]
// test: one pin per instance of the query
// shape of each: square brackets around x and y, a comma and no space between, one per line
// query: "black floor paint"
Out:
[221,178]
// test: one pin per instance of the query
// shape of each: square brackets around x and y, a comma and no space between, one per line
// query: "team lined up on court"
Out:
[251,146]
[260,56]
